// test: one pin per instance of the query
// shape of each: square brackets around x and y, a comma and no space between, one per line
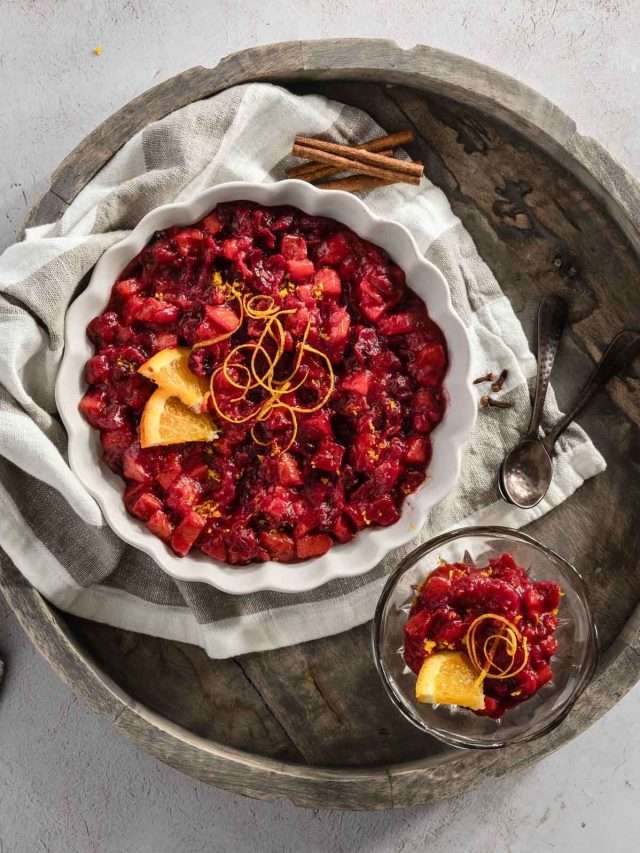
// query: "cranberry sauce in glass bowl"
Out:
[289,476]
[498,617]
[492,577]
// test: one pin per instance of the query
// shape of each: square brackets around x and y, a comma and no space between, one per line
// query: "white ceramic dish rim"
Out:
[368,547]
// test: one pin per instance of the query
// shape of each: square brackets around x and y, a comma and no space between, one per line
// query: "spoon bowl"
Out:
[526,473]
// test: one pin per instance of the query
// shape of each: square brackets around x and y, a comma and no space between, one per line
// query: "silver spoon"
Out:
[526,480]
[519,480]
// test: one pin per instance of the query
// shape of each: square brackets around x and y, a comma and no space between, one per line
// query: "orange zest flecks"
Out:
[208,509]
[259,369]
[482,656]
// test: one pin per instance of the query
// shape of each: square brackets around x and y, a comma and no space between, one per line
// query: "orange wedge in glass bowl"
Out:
[169,369]
[449,678]
[166,420]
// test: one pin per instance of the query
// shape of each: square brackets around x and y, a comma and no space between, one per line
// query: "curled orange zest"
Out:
[260,372]
[483,659]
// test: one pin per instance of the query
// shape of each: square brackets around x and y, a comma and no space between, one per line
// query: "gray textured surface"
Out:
[48,748]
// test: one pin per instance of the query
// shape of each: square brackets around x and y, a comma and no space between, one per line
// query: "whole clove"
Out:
[486,401]
[488,377]
[497,385]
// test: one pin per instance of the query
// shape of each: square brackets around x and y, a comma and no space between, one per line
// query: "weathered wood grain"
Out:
[49,209]
[261,778]
[289,704]
[331,703]
[550,212]
[229,768]
[213,699]
[536,227]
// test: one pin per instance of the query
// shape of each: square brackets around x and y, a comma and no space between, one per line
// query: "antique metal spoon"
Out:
[528,466]
[525,480]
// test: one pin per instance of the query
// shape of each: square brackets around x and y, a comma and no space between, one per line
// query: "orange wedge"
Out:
[169,369]
[449,678]
[166,420]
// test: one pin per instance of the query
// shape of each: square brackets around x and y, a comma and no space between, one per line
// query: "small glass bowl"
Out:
[573,665]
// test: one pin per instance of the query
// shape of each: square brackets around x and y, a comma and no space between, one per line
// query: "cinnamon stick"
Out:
[359,155]
[384,144]
[354,183]
[313,172]
[386,171]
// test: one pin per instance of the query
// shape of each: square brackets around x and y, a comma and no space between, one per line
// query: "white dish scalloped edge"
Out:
[369,546]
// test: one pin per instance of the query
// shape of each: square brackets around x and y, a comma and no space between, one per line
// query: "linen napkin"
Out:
[52,529]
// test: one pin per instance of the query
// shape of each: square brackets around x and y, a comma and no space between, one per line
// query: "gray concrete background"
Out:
[67,783]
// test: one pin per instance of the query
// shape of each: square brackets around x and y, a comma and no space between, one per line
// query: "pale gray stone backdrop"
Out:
[67,783]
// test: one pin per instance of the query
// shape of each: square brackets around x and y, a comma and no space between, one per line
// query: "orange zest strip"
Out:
[300,353]
[225,365]
[265,379]
[244,389]
[260,313]
[235,366]
[508,636]
[263,313]
[221,414]
[287,388]
[260,372]
[258,440]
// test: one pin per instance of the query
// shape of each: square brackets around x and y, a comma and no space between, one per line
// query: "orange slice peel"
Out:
[169,369]
[166,420]
[449,678]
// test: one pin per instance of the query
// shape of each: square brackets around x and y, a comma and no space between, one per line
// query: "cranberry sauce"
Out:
[455,595]
[352,462]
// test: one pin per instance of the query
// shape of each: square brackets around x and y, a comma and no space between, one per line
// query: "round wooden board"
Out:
[550,212]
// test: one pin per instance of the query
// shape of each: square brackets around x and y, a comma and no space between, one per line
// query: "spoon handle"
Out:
[552,318]
[617,356]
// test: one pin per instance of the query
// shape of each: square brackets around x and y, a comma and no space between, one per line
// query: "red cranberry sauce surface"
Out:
[455,594]
[352,462]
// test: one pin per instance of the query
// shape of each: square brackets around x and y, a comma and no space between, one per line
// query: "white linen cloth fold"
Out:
[52,529]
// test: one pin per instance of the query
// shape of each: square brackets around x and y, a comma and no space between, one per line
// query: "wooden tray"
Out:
[550,211]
